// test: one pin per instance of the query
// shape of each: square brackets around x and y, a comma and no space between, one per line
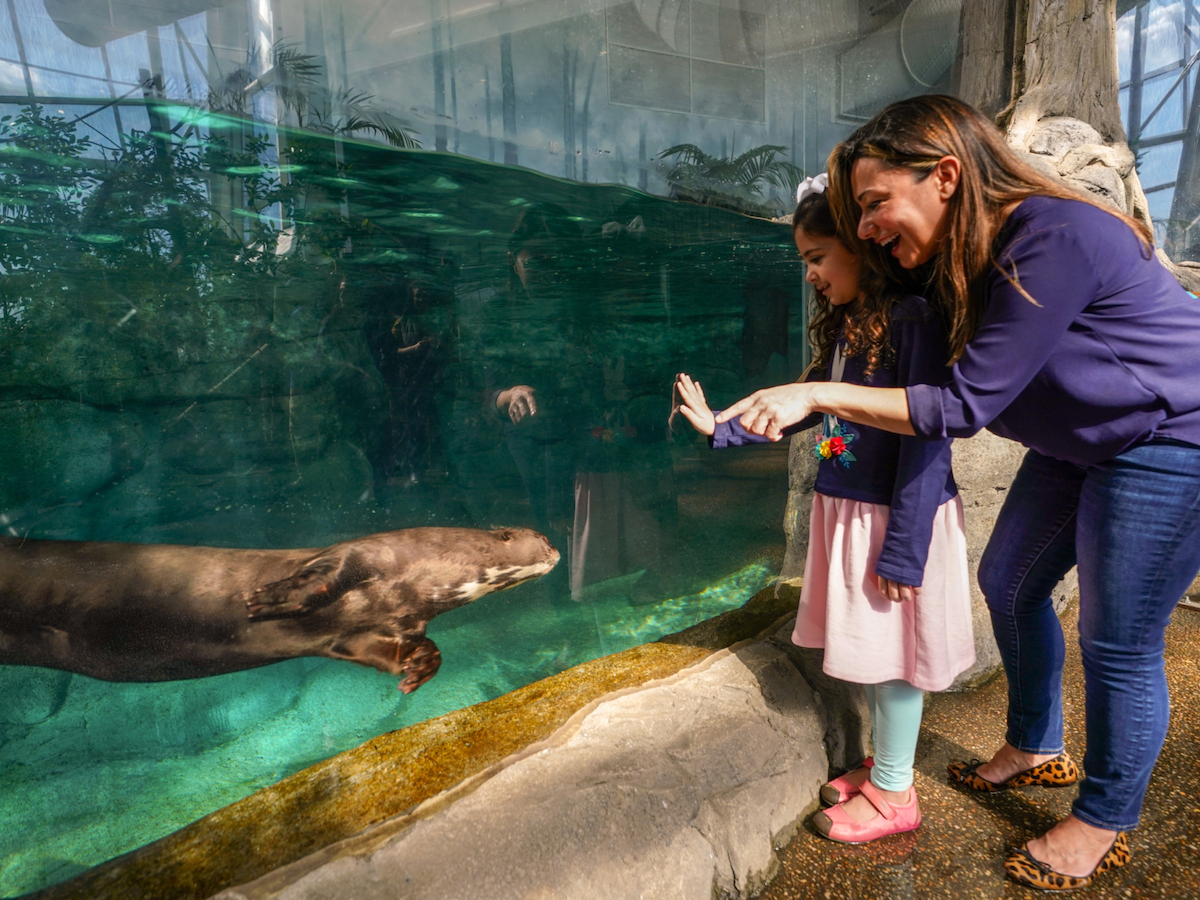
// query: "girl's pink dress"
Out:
[868,638]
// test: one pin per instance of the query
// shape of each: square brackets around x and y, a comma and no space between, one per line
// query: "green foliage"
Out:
[181,211]
[44,186]
[43,182]
[728,180]
[295,77]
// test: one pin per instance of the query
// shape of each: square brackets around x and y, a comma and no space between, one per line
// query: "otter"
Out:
[160,612]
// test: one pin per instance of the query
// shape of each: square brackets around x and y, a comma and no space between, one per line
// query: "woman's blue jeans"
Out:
[1132,524]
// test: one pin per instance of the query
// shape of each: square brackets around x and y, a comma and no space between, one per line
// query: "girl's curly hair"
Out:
[867,324]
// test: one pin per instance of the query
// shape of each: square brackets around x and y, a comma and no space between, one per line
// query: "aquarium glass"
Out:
[283,273]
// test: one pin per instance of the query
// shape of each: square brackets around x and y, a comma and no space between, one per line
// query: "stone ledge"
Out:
[392,774]
[677,790]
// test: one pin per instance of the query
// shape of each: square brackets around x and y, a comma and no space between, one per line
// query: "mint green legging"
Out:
[896,708]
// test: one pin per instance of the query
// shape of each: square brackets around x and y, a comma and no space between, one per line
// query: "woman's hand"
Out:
[769,411]
[518,401]
[896,592]
[694,406]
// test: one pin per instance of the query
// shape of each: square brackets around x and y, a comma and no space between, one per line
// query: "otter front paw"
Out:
[308,590]
[419,665]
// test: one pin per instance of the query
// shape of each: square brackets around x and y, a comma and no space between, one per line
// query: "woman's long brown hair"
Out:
[916,134]
[868,323]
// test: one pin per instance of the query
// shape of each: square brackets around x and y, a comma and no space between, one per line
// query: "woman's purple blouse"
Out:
[1106,355]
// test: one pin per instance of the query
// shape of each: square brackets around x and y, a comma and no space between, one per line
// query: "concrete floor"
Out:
[958,851]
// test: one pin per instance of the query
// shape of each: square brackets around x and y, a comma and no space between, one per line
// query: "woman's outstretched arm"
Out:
[769,411]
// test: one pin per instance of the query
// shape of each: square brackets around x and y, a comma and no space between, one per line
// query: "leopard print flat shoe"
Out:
[1058,772]
[1022,868]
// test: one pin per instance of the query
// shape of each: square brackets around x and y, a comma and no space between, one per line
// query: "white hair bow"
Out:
[813,184]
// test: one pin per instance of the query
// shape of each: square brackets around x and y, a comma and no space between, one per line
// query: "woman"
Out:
[1068,336]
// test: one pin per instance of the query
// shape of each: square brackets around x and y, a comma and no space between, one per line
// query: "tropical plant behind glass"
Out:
[130,272]
[150,209]
[736,181]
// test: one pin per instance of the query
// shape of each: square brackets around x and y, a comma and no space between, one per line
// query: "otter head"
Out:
[384,618]
[516,555]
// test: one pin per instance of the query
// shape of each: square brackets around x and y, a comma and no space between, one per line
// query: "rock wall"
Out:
[678,790]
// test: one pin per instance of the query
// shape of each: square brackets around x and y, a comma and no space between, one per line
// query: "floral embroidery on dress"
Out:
[832,444]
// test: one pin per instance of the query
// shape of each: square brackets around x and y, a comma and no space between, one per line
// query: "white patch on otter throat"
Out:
[495,579]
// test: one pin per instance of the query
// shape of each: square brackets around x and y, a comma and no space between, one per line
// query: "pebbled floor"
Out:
[958,850]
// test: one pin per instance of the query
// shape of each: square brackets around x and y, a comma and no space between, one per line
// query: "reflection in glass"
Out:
[1159,60]
[1158,165]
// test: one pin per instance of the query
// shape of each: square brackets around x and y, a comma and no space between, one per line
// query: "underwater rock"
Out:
[58,451]
[213,438]
[227,402]
[262,505]
[31,695]
[158,612]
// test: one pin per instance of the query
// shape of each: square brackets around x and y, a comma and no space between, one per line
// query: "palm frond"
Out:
[688,153]
[751,164]
[394,134]
[784,175]
[302,68]
[736,178]
[361,115]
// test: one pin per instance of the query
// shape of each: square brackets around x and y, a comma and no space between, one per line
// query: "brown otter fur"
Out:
[157,612]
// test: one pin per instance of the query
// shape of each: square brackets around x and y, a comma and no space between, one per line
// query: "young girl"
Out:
[885,583]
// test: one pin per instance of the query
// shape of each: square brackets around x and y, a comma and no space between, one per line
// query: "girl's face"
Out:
[832,269]
[904,215]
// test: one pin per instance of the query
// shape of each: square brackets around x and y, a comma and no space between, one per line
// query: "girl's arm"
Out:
[694,407]
[923,478]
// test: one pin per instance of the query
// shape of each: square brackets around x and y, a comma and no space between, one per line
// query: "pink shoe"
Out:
[840,790]
[893,818]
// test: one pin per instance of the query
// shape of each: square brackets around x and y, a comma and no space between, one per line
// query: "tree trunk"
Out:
[986,62]
[439,82]
[1068,67]
[508,99]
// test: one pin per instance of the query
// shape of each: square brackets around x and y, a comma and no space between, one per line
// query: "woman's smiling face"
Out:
[832,269]
[900,212]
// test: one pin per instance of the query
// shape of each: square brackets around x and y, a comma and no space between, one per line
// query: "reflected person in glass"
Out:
[408,339]
[582,408]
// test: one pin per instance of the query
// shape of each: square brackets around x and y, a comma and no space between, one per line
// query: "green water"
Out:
[246,339]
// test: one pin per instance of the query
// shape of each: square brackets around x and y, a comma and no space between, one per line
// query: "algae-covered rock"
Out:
[31,695]
[59,450]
